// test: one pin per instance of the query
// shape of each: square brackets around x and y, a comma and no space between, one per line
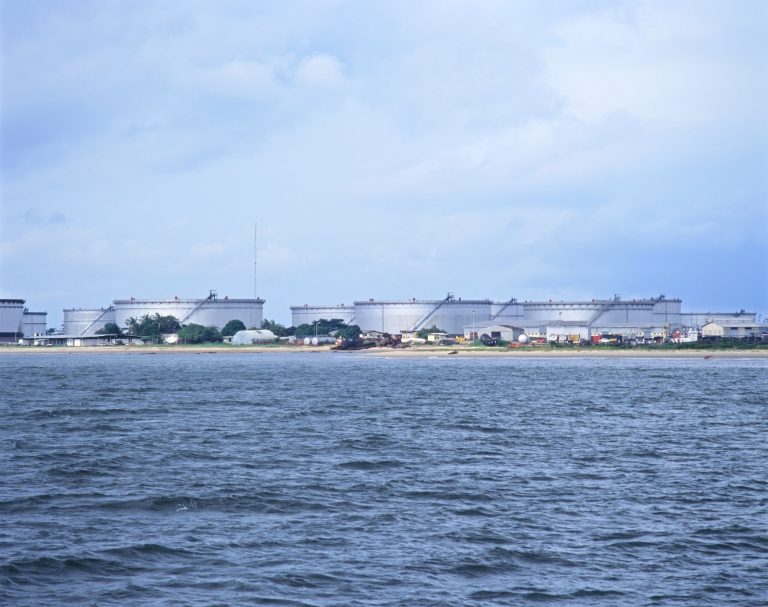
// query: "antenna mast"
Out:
[255,256]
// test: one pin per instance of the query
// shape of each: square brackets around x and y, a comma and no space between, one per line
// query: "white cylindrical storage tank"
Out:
[450,315]
[453,316]
[306,314]
[206,312]
[86,321]
[545,312]
[595,312]
[390,316]
[667,312]
[507,312]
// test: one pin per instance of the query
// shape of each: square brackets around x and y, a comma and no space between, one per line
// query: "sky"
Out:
[538,150]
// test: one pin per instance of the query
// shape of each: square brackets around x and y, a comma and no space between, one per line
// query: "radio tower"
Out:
[255,256]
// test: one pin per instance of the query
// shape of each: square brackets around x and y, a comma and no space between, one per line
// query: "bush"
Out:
[198,334]
[110,329]
[232,327]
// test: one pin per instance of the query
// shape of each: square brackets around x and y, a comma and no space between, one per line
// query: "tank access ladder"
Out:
[504,307]
[97,319]
[423,320]
[199,305]
[603,309]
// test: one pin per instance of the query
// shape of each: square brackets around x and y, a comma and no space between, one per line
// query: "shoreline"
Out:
[427,352]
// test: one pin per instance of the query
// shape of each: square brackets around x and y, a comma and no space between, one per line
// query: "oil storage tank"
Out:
[211,311]
[449,314]
[87,321]
[306,314]
[667,312]
[507,312]
[597,312]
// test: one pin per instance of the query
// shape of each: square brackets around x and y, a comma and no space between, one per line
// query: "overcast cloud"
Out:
[386,149]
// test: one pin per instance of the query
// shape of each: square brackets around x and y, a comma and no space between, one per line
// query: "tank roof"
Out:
[12,301]
[431,302]
[86,309]
[218,300]
[323,307]
[590,302]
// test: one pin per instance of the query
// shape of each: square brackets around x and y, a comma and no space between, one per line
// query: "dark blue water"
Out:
[352,480]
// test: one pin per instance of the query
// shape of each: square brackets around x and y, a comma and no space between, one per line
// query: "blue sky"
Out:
[386,149]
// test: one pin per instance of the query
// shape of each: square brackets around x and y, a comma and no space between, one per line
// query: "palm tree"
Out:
[133,325]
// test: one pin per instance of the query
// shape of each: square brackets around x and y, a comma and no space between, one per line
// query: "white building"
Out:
[502,332]
[734,328]
[253,336]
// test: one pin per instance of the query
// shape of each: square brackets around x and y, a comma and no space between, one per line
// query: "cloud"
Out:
[320,70]
[386,149]
[38,217]
[667,64]
[252,78]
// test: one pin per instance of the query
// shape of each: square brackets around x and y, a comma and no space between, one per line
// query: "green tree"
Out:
[423,333]
[152,327]
[211,335]
[110,329]
[198,334]
[349,332]
[132,324]
[276,328]
[232,327]
[320,327]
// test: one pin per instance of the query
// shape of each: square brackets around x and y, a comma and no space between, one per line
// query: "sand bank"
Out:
[455,352]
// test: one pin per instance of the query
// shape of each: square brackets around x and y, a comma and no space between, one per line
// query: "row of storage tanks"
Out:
[17,321]
[455,315]
[450,314]
[206,312]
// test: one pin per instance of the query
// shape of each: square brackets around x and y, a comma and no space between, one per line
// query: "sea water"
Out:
[344,479]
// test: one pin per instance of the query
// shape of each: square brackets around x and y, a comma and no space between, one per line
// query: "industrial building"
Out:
[501,332]
[699,319]
[734,328]
[210,311]
[77,341]
[16,321]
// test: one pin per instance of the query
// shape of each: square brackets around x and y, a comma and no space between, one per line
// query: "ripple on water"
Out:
[352,480]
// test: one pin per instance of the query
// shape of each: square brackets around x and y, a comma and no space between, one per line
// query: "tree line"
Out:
[152,327]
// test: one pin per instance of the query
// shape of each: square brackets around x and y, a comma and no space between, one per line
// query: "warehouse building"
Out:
[735,328]
[699,319]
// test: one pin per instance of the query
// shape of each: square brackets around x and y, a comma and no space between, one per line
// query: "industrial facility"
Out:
[16,321]
[210,311]
[650,318]
[654,318]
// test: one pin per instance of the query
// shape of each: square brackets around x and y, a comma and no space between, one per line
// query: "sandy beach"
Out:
[425,351]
